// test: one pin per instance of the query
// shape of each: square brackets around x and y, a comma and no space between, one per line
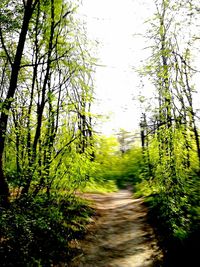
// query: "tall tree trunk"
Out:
[28,11]
[42,104]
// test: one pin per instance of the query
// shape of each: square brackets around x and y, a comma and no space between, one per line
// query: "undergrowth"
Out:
[37,232]
[175,217]
[100,186]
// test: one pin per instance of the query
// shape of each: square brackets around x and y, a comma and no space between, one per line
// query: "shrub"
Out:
[37,232]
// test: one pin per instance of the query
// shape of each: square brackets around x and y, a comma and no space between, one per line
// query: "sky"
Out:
[117,27]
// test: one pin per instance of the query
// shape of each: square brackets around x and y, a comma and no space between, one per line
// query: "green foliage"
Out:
[38,231]
[100,186]
[131,167]
[49,142]
[124,167]
[48,148]
[174,199]
[107,158]
[176,217]
[171,146]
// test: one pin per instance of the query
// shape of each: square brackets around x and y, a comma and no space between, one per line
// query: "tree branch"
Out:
[4,47]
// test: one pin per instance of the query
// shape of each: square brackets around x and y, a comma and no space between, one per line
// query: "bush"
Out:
[37,232]
[177,225]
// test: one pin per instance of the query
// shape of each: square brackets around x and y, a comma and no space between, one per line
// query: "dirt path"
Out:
[120,235]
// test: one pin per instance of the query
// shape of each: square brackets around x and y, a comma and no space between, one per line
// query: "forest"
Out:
[51,152]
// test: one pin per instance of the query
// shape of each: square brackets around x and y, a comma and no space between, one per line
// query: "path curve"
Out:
[120,235]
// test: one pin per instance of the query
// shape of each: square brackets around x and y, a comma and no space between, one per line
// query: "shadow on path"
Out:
[120,235]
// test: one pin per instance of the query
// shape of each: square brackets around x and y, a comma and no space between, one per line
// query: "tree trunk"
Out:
[42,104]
[28,11]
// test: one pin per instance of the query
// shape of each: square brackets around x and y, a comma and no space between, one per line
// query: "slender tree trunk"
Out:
[4,188]
[192,114]
[42,104]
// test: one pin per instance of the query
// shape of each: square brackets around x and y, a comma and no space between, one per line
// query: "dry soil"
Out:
[119,235]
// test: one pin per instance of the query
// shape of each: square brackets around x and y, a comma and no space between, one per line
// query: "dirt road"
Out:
[120,235]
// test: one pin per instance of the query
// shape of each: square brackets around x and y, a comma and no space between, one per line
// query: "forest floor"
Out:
[120,235]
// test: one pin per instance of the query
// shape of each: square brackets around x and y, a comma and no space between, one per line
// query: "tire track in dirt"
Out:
[120,235]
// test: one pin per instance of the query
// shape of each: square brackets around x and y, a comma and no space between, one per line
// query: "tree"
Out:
[28,9]
[46,109]
[173,138]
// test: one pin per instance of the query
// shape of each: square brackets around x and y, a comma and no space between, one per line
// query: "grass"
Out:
[100,187]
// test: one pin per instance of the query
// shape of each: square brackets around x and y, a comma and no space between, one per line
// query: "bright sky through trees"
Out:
[117,26]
